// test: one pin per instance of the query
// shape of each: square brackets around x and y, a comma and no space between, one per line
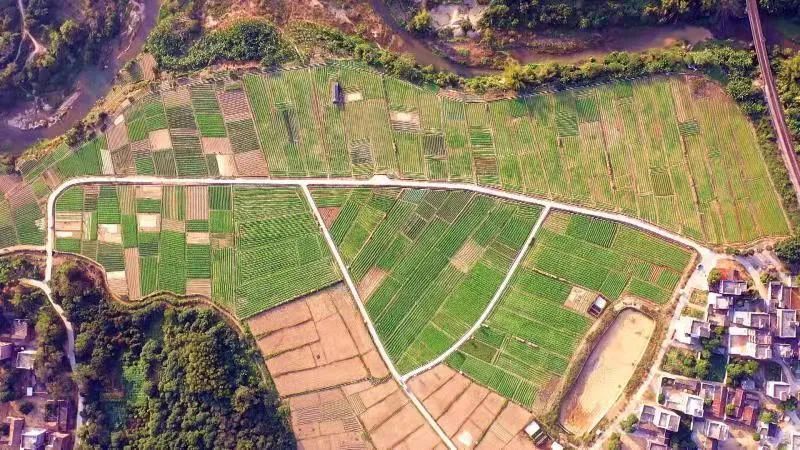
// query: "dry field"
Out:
[607,371]
[325,365]
[470,414]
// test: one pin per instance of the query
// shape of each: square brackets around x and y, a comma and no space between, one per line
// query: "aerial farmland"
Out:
[406,244]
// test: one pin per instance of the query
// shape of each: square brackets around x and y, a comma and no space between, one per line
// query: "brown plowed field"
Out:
[325,365]
[470,414]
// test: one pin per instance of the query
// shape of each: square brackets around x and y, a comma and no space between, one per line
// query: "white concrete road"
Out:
[707,256]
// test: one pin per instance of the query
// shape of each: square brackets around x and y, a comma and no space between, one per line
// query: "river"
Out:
[93,83]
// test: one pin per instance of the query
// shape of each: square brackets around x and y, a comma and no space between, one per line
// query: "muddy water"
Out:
[634,40]
[93,83]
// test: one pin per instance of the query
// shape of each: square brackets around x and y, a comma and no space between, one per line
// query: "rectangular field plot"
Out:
[525,346]
[249,249]
[608,258]
[280,250]
[673,151]
[426,262]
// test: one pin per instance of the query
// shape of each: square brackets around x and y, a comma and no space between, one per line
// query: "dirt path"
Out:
[607,371]
[38,48]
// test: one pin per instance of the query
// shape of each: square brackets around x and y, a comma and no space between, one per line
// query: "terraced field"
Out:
[671,151]
[427,262]
[249,249]
[526,344]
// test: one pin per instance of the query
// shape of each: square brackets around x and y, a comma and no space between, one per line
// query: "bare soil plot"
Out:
[322,360]
[148,222]
[367,286]
[199,286]
[149,192]
[470,414]
[251,164]
[111,233]
[317,342]
[69,221]
[607,371]
[226,165]
[467,256]
[580,299]
[117,136]
[197,203]
[216,145]
[132,272]
[117,283]
[173,225]
[160,140]
[198,237]
[329,214]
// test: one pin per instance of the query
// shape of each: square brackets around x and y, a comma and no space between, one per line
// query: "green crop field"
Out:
[255,248]
[427,261]
[661,149]
[527,342]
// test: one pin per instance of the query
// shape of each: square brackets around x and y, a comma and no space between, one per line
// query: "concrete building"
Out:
[778,390]
[660,417]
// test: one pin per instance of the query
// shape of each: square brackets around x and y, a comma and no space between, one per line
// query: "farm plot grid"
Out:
[523,349]
[248,249]
[426,262]
[674,151]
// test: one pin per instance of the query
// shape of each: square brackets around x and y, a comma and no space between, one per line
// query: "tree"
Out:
[715,276]
[730,409]
[613,442]
[628,424]
[768,416]
[421,22]
[739,369]
[788,250]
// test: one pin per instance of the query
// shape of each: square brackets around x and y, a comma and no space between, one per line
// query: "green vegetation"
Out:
[20,302]
[608,258]
[188,378]
[572,146]
[738,369]
[546,14]
[628,424]
[433,260]
[73,35]
[177,44]
[161,250]
[532,334]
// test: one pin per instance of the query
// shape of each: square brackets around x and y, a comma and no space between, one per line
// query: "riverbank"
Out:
[91,84]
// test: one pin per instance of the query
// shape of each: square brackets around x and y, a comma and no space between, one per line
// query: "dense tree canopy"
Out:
[194,382]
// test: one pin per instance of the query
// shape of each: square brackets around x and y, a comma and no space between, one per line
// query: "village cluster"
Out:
[34,421]
[738,344]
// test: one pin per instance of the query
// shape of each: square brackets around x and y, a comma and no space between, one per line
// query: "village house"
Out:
[751,319]
[20,330]
[689,330]
[715,430]
[786,323]
[732,287]
[659,417]
[749,342]
[778,390]
[6,350]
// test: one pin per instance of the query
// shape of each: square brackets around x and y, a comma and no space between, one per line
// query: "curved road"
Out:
[707,256]
[773,101]
[70,345]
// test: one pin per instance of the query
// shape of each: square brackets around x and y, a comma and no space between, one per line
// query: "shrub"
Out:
[628,424]
[613,442]
[421,22]
[26,407]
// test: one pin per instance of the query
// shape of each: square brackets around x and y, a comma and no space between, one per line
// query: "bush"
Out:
[629,423]
[174,47]
[421,22]
[613,442]
[788,250]
[26,407]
